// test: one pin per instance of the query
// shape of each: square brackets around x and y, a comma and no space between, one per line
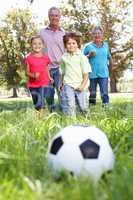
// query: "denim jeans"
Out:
[70,98]
[38,96]
[103,84]
[54,73]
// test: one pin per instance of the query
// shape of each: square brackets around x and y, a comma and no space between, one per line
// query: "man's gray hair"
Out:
[53,8]
[97,28]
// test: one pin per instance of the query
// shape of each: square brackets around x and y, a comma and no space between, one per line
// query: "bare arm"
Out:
[50,78]
[61,85]
[34,75]
[111,62]
[29,73]
[112,65]
[84,82]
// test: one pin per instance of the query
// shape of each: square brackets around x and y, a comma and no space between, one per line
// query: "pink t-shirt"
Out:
[40,65]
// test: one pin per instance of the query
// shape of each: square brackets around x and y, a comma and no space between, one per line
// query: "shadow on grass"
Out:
[22,104]
[15,105]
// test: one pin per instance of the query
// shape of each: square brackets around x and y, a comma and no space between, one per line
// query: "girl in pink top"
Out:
[38,74]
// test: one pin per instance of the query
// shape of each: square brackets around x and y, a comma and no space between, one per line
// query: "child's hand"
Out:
[81,88]
[36,75]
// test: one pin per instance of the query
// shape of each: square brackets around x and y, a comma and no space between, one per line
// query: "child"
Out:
[74,70]
[38,74]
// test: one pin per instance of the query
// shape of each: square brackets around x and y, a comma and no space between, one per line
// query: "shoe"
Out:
[52,109]
[105,105]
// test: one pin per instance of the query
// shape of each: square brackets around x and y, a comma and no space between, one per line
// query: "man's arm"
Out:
[110,62]
[112,65]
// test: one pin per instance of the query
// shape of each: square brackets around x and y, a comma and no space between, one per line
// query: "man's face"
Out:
[54,17]
[97,35]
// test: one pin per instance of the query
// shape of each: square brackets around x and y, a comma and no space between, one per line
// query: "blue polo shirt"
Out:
[100,62]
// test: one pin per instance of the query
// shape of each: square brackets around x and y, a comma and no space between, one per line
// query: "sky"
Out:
[38,7]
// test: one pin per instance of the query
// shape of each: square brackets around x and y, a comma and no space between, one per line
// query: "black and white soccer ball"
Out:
[82,151]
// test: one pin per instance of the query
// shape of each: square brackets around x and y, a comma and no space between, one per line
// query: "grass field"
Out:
[24,174]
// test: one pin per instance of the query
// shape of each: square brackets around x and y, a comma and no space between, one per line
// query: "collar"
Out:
[59,29]
[98,46]
[78,52]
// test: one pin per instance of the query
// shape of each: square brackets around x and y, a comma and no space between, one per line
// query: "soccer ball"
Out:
[82,151]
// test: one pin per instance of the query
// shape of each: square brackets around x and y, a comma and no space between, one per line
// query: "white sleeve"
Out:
[85,64]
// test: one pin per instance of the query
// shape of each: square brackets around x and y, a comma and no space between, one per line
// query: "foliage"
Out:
[23,153]
[15,30]
[116,23]
[77,18]
[31,1]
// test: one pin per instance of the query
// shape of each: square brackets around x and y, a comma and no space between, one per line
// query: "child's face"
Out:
[71,45]
[37,45]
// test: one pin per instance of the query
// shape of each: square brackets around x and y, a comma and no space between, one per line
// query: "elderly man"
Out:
[100,59]
[54,47]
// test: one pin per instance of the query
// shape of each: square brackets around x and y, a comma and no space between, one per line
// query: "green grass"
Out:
[24,174]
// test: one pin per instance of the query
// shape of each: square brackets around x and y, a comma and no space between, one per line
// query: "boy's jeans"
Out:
[69,98]
[103,84]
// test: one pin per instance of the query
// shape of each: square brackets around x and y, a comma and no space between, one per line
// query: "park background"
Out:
[24,139]
[21,19]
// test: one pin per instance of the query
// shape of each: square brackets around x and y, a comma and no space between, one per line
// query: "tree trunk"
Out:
[14,92]
[113,85]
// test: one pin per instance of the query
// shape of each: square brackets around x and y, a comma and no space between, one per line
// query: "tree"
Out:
[77,18]
[114,18]
[31,1]
[115,21]
[15,31]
